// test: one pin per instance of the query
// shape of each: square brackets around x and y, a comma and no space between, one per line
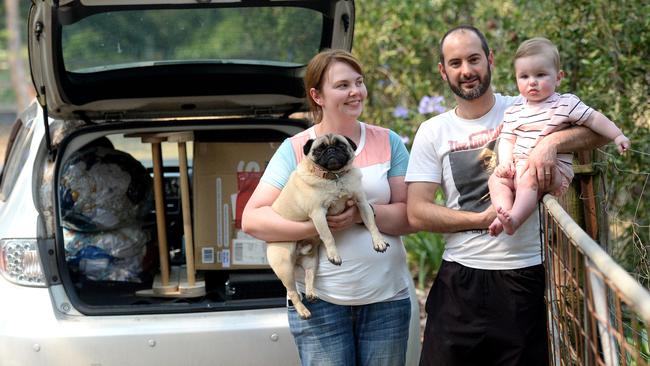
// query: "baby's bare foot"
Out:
[510,223]
[495,227]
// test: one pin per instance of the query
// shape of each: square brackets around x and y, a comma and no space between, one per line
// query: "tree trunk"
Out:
[19,81]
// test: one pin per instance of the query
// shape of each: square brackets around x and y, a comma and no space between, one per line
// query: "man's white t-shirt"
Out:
[460,155]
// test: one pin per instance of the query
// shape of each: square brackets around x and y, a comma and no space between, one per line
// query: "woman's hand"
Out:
[350,216]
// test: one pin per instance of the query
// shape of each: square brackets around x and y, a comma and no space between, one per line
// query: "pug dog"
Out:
[323,182]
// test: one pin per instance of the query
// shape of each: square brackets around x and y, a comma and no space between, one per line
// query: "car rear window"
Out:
[136,38]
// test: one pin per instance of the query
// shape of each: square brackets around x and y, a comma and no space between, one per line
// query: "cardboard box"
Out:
[224,176]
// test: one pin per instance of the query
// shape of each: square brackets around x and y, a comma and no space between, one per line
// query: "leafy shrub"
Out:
[424,251]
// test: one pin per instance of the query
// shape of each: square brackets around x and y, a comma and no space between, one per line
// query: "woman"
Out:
[363,311]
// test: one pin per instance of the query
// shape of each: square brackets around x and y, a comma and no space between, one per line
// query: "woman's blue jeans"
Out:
[339,335]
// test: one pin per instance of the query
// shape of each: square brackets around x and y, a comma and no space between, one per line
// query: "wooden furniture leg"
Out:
[161,285]
[172,282]
[188,285]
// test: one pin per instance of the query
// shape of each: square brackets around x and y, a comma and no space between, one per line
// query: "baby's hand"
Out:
[505,170]
[622,143]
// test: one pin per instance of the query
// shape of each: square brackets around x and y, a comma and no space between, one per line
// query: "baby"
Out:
[541,111]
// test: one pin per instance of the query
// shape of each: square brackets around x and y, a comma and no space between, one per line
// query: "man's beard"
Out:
[476,92]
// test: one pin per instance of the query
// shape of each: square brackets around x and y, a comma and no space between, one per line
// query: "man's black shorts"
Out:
[482,317]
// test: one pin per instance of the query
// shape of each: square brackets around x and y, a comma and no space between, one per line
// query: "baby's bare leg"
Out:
[526,197]
[501,195]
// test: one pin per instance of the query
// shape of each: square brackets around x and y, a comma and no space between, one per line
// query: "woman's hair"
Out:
[539,46]
[315,74]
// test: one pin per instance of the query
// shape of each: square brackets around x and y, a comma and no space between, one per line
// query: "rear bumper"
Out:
[33,333]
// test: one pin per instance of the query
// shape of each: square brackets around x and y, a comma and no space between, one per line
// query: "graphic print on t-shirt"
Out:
[471,169]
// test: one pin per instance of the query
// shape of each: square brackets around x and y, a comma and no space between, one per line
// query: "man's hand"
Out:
[541,163]
[424,214]
[489,215]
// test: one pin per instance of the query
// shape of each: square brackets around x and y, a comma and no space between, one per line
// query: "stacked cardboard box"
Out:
[225,174]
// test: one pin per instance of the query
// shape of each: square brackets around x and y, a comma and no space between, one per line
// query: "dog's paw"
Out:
[302,311]
[336,260]
[311,297]
[381,247]
[304,314]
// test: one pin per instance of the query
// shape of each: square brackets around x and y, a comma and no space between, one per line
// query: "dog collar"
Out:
[325,174]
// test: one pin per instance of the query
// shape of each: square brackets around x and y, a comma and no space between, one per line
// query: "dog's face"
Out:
[331,152]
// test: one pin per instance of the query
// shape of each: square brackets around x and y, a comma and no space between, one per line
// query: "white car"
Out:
[85,276]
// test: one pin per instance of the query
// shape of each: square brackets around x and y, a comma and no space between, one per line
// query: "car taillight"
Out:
[20,262]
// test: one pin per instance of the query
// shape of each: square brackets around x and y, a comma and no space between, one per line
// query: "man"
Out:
[486,306]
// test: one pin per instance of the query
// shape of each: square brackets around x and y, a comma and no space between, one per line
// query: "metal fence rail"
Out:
[598,314]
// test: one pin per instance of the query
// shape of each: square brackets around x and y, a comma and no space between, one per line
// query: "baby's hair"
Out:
[539,46]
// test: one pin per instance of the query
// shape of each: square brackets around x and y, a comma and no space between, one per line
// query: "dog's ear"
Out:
[307,147]
[354,146]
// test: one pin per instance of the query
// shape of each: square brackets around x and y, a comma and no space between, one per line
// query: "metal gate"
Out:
[597,313]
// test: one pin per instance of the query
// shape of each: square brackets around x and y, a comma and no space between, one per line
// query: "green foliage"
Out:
[394,40]
[6,93]
[424,251]
[7,96]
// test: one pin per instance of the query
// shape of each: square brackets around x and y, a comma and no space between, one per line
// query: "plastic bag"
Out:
[114,255]
[103,189]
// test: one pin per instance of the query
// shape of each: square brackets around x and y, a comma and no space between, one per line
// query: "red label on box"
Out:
[246,184]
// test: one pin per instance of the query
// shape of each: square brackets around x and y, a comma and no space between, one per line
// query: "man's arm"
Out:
[424,214]
[543,157]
